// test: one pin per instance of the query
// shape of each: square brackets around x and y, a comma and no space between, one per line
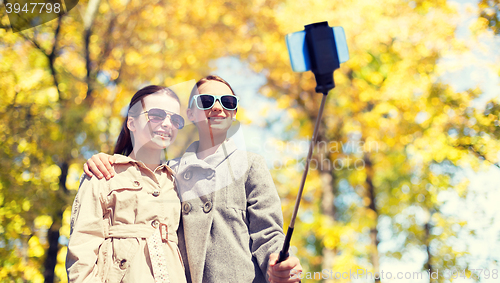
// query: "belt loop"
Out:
[164,232]
[106,224]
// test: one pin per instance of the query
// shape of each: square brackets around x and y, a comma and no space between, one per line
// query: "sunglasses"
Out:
[207,101]
[156,115]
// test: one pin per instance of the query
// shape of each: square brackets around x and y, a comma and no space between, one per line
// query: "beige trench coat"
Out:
[111,220]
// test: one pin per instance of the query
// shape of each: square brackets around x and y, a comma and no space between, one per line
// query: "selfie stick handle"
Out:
[286,245]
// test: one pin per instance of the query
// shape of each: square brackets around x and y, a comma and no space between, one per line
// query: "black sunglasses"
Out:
[156,115]
[207,101]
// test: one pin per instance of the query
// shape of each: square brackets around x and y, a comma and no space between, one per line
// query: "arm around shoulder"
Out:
[100,165]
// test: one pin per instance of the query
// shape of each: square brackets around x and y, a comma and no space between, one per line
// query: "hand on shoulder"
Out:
[100,165]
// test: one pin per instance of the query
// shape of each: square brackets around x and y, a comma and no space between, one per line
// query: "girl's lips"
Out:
[163,135]
[216,120]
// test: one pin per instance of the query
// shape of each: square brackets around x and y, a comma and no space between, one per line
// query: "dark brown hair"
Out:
[206,79]
[124,144]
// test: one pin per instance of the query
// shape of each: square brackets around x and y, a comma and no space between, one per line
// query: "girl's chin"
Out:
[162,142]
[218,129]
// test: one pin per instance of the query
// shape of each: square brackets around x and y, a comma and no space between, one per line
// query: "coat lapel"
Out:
[196,183]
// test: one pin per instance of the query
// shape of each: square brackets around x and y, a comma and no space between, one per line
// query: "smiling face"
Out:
[147,133]
[215,120]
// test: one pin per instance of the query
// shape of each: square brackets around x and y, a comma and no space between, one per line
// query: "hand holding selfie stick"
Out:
[321,49]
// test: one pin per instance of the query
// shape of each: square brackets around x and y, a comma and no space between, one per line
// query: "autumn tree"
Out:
[388,95]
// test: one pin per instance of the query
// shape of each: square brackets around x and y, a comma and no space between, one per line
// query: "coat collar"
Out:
[211,161]
[122,159]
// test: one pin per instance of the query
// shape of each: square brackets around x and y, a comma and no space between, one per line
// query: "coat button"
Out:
[188,175]
[210,175]
[123,264]
[155,224]
[136,183]
[207,206]
[156,193]
[186,207]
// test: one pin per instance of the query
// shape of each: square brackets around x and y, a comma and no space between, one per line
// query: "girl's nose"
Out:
[217,106]
[167,123]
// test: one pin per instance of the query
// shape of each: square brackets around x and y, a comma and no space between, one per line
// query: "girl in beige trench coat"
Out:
[231,226]
[125,229]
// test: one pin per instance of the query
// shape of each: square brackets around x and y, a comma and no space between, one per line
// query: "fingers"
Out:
[108,161]
[289,263]
[87,170]
[272,259]
[100,165]
[286,271]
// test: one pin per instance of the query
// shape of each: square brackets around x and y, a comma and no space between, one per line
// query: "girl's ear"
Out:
[190,114]
[131,124]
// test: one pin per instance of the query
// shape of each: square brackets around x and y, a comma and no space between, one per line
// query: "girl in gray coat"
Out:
[231,225]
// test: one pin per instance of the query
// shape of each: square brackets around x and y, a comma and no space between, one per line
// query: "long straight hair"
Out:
[124,143]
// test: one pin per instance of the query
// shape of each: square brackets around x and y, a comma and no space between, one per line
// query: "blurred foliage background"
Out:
[395,140]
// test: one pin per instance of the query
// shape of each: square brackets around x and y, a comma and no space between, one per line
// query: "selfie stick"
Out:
[323,49]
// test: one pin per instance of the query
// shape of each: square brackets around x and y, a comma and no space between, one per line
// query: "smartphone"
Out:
[299,54]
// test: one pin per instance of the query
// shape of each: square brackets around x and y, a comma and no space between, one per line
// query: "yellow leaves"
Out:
[43,222]
[405,139]
[32,274]
[228,19]
[17,225]
[51,173]
[60,269]
[479,26]
[81,94]
[21,147]
[331,237]
[176,64]
[31,79]
[48,95]
[103,7]
[65,229]
[26,205]
[35,249]
[284,101]
[73,180]
[375,78]
[462,188]
[132,58]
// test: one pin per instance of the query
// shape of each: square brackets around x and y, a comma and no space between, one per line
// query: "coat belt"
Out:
[138,231]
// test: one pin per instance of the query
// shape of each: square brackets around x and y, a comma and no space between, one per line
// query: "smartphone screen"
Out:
[341,43]
[298,52]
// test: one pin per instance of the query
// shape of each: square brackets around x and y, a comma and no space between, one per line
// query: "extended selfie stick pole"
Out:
[320,52]
[286,245]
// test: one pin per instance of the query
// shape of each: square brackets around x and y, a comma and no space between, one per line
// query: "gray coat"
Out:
[231,215]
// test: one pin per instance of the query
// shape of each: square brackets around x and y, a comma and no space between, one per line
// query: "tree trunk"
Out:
[53,239]
[328,208]
[53,233]
[428,265]
[374,256]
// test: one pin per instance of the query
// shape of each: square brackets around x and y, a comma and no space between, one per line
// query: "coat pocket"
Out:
[235,207]
[124,251]
[123,185]
[235,196]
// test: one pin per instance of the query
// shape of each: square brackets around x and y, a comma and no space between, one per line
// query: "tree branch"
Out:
[479,154]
